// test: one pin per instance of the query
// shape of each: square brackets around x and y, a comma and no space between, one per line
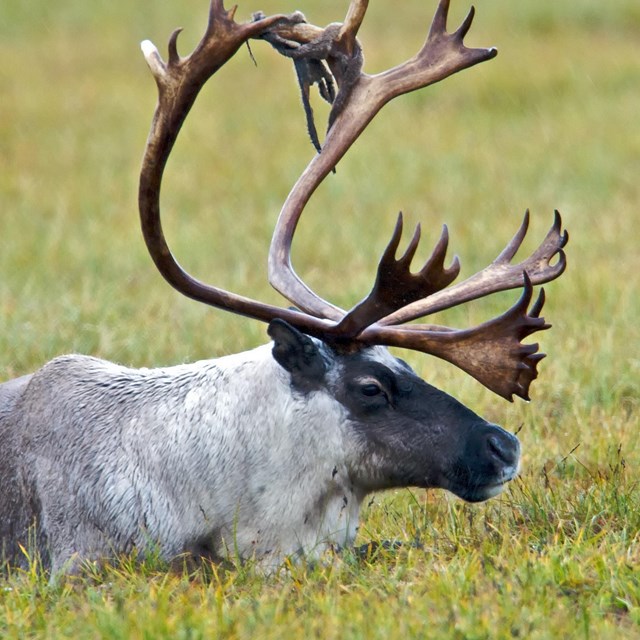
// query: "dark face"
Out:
[417,435]
[411,433]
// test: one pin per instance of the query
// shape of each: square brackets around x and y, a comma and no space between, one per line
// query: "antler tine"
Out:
[439,22]
[436,261]
[463,29]
[507,254]
[442,55]
[351,25]
[500,275]
[410,251]
[492,352]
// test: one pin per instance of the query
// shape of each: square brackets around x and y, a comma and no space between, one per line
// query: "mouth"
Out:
[479,492]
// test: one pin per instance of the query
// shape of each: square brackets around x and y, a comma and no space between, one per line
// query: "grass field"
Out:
[552,122]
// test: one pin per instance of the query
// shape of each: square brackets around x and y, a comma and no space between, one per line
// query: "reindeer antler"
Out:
[442,55]
[179,81]
[493,352]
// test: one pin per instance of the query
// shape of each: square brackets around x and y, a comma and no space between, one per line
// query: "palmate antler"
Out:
[493,352]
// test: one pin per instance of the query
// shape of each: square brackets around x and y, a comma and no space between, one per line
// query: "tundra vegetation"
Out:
[551,123]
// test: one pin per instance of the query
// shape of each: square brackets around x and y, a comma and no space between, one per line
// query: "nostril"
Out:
[502,449]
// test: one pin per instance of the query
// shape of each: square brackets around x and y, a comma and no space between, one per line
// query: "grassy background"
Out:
[551,123]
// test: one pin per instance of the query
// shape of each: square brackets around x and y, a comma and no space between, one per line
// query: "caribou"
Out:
[269,454]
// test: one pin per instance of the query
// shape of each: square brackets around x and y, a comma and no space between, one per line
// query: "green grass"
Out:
[551,123]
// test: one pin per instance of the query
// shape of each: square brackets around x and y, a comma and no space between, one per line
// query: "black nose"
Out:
[504,447]
[491,447]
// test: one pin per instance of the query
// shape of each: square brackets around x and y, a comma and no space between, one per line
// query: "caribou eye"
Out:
[371,389]
[369,393]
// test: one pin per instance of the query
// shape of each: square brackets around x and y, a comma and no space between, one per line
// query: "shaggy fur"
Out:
[266,453]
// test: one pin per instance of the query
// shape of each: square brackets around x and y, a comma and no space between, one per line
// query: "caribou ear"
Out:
[297,353]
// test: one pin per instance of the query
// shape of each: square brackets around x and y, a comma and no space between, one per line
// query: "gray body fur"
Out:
[108,458]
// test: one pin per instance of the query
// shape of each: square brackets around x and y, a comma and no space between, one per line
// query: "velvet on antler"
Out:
[492,352]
